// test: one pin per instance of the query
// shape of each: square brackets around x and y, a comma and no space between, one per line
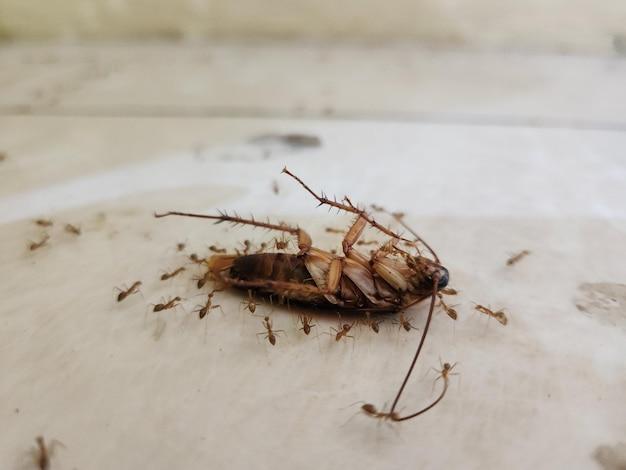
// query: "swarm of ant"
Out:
[396,275]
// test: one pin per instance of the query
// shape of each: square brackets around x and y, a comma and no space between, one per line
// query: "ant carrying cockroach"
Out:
[176,272]
[126,292]
[270,333]
[500,316]
[390,279]
[515,258]
[305,321]
[167,305]
[36,245]
[73,229]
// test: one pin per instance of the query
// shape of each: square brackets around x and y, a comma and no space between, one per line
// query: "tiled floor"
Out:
[487,154]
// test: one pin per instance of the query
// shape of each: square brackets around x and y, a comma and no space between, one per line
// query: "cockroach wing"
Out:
[317,262]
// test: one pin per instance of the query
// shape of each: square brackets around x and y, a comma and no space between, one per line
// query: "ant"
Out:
[167,305]
[176,272]
[44,222]
[36,245]
[270,334]
[367,242]
[131,290]
[246,246]
[208,306]
[204,279]
[515,258]
[73,229]
[262,248]
[403,322]
[281,244]
[333,230]
[449,310]
[215,249]
[180,246]
[343,331]
[499,315]
[448,291]
[306,324]
[249,303]
[44,453]
[195,259]
[373,324]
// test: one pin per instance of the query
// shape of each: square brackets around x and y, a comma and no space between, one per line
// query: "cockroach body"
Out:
[389,279]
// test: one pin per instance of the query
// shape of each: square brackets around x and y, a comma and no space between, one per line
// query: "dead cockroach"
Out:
[391,279]
[44,222]
[515,258]
[180,246]
[126,292]
[450,311]
[43,453]
[403,322]
[73,229]
[306,320]
[176,272]
[270,333]
[208,305]
[249,304]
[216,249]
[36,245]
[499,315]
[167,305]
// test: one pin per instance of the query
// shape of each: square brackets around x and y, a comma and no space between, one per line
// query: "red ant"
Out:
[306,324]
[176,272]
[167,305]
[270,334]
[131,290]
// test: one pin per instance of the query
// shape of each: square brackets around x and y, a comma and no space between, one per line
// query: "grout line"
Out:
[195,112]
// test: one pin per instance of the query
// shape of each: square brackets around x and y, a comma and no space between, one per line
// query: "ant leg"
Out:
[304,239]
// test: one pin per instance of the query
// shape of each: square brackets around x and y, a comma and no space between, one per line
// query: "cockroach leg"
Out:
[304,240]
[176,272]
[36,245]
[517,257]
[133,289]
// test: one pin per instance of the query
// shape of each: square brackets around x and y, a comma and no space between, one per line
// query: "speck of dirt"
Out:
[611,457]
[603,301]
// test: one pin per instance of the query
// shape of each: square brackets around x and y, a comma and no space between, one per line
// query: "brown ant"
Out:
[306,320]
[448,291]
[195,259]
[499,315]
[262,248]
[180,246]
[449,310]
[367,242]
[281,244]
[44,453]
[204,279]
[131,290]
[208,306]
[246,246]
[167,305]
[73,229]
[343,331]
[44,222]
[36,245]
[334,230]
[249,304]
[403,322]
[373,324]
[166,276]
[270,334]
[515,258]
[215,249]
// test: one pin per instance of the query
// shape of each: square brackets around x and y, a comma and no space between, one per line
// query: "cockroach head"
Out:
[425,271]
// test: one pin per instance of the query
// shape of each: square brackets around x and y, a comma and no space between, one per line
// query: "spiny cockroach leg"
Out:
[304,240]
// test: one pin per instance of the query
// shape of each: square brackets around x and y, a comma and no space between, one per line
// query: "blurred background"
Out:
[496,126]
